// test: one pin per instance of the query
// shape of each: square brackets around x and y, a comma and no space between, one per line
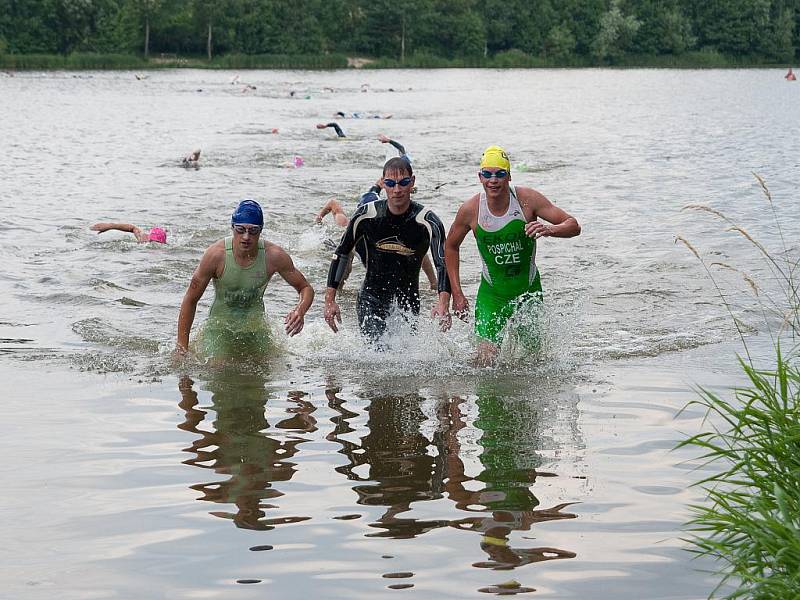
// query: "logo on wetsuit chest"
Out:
[394,245]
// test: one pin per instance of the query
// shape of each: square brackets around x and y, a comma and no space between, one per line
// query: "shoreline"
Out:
[329,62]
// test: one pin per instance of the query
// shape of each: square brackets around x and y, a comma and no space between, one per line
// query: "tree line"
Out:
[594,31]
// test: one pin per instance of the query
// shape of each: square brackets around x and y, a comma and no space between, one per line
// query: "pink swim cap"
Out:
[298,162]
[158,235]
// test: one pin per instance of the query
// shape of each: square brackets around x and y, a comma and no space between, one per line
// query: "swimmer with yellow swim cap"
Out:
[506,221]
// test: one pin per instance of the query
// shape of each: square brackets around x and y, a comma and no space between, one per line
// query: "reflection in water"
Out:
[509,470]
[405,467]
[401,470]
[238,447]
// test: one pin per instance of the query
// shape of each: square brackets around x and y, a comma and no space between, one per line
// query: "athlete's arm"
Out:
[342,253]
[338,270]
[126,227]
[334,207]
[387,140]
[335,125]
[202,275]
[443,282]
[282,263]
[458,231]
[559,222]
[437,252]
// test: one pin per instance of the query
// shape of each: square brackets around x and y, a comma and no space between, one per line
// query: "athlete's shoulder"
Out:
[370,209]
[416,208]
[527,193]
[426,213]
[216,249]
[470,206]
[213,260]
[277,257]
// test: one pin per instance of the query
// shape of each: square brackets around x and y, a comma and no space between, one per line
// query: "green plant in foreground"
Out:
[750,518]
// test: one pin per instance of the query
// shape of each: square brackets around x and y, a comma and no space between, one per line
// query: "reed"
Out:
[749,520]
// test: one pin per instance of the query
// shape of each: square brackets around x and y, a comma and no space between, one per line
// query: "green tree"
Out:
[664,28]
[560,43]
[616,33]
[583,17]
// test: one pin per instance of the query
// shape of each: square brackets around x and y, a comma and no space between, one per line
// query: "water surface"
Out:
[331,470]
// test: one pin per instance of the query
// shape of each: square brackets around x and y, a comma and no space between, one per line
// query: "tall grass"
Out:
[749,520]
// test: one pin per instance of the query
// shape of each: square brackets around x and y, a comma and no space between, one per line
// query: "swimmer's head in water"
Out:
[399,164]
[495,157]
[248,213]
[157,235]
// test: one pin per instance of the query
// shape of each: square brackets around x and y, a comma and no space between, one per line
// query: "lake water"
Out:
[330,470]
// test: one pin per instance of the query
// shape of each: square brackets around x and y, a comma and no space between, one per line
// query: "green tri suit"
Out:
[236,323]
[509,277]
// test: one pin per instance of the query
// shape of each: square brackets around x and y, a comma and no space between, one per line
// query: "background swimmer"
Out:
[338,129]
[191,160]
[156,234]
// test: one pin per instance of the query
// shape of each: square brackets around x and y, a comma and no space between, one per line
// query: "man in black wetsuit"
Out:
[395,233]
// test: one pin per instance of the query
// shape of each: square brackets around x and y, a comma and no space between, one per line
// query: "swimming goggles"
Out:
[500,174]
[252,229]
[390,183]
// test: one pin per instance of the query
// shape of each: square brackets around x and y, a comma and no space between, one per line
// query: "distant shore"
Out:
[510,59]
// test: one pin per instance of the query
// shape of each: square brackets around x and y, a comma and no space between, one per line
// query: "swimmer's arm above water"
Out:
[126,227]
[387,140]
[334,207]
[336,127]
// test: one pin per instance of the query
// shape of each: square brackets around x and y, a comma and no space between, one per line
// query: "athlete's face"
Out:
[399,195]
[495,181]
[245,235]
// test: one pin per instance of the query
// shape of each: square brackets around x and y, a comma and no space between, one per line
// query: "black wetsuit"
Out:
[394,248]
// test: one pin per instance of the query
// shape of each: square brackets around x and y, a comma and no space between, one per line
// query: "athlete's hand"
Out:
[294,322]
[537,229]
[179,355]
[461,306]
[445,320]
[332,315]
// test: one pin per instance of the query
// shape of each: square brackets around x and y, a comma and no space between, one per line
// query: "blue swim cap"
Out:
[248,212]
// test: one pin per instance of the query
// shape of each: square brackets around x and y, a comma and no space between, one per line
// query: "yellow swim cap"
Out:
[495,156]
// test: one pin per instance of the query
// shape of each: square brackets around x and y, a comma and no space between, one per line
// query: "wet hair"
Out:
[398,163]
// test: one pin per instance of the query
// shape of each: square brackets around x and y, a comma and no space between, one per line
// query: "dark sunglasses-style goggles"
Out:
[390,183]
